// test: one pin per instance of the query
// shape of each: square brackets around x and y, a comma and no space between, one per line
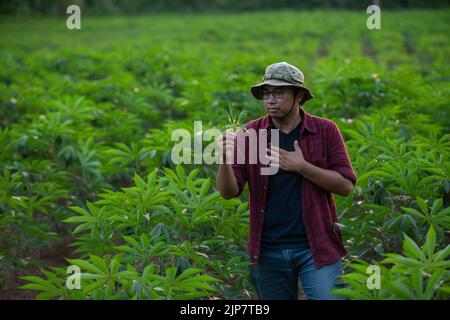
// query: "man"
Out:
[293,235]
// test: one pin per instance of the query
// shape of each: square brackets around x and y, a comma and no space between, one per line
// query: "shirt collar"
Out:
[306,123]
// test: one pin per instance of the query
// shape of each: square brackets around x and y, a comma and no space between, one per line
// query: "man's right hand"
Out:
[226,142]
[226,181]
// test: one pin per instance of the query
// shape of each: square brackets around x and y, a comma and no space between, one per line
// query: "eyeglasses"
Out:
[277,93]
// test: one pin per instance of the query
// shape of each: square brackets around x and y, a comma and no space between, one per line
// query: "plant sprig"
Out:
[235,122]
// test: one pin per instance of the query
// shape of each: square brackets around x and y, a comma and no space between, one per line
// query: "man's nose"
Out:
[272,99]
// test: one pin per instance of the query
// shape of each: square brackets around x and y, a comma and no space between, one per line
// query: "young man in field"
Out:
[293,235]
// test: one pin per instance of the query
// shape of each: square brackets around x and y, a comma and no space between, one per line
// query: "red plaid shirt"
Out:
[322,145]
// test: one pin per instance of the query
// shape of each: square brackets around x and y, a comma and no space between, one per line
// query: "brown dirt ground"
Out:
[52,256]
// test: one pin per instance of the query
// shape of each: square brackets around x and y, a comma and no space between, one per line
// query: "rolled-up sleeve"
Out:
[240,172]
[338,159]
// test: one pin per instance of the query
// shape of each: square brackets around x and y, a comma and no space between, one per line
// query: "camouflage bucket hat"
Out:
[282,74]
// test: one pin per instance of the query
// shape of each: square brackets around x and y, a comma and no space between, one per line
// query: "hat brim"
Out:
[257,89]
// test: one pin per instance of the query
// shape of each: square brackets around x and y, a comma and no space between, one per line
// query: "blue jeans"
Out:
[277,273]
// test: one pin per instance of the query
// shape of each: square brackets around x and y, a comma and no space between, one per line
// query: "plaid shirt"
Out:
[322,145]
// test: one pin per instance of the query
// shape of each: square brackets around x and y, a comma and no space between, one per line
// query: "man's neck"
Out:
[289,123]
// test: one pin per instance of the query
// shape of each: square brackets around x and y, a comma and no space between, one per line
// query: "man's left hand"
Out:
[288,160]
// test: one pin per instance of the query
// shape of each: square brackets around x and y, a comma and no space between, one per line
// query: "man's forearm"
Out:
[327,179]
[226,181]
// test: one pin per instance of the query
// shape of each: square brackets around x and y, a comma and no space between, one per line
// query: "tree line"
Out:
[98,7]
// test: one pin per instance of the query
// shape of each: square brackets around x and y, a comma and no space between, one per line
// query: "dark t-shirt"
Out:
[283,225]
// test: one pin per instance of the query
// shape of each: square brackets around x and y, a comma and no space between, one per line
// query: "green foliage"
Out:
[110,279]
[54,286]
[139,6]
[127,252]
[86,144]
[437,217]
[418,274]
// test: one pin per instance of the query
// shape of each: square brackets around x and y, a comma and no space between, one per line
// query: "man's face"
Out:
[278,100]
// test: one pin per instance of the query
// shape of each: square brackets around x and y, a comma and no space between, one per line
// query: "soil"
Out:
[52,256]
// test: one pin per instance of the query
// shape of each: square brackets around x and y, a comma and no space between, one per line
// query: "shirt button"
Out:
[262,210]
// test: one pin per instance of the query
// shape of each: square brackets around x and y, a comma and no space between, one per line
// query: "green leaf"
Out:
[85,265]
[348,293]
[437,204]
[414,212]
[34,286]
[79,210]
[433,284]
[93,286]
[417,281]
[191,295]
[356,276]
[441,254]
[99,262]
[401,290]
[422,205]
[45,283]
[82,227]
[125,249]
[430,242]
[79,219]
[133,242]
[115,264]
[412,249]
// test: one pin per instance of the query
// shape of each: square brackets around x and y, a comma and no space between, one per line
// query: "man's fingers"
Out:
[273,159]
[272,151]
[226,152]
[226,138]
[222,143]
[275,148]
[278,150]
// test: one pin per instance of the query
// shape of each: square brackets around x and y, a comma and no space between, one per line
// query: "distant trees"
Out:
[49,7]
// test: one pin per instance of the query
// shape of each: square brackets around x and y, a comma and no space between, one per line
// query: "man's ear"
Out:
[300,95]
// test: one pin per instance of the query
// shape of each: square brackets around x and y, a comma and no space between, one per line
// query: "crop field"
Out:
[86,175]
